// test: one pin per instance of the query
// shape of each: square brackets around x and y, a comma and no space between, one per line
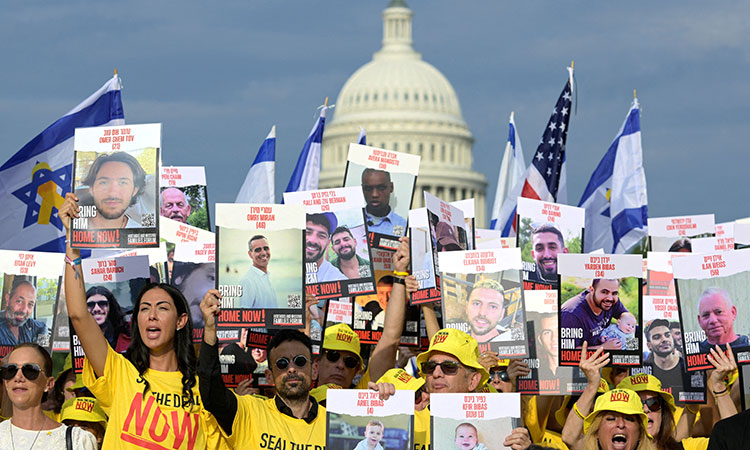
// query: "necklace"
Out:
[13,442]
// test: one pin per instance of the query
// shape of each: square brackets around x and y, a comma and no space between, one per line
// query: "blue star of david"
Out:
[28,194]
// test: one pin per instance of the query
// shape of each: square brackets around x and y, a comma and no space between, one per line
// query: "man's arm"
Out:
[216,398]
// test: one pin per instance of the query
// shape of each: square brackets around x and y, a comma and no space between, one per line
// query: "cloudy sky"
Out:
[219,74]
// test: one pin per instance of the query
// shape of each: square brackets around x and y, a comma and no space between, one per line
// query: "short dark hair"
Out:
[674,324]
[18,282]
[139,175]
[285,335]
[655,323]
[680,244]
[254,238]
[342,229]
[320,219]
[370,170]
[595,281]
[549,228]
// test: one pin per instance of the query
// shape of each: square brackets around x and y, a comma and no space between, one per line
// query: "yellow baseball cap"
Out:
[401,379]
[320,392]
[340,337]
[644,382]
[459,344]
[623,401]
[85,409]
[562,412]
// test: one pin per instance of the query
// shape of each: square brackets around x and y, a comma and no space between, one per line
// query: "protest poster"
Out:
[663,354]
[261,279]
[600,302]
[193,274]
[61,327]
[422,258]
[112,286]
[745,386]
[546,230]
[711,293]
[357,419]
[337,254]
[741,235]
[485,239]
[369,310]
[238,361]
[467,207]
[659,277]
[29,289]
[387,180]
[673,234]
[712,244]
[116,179]
[470,420]
[483,296]
[184,196]
[725,230]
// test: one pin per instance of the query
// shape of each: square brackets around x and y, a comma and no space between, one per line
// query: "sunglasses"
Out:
[299,362]
[447,367]
[30,371]
[349,361]
[502,375]
[653,404]
[100,303]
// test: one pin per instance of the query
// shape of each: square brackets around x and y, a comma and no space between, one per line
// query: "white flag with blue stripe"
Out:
[615,198]
[34,181]
[259,181]
[307,171]
[362,138]
[511,172]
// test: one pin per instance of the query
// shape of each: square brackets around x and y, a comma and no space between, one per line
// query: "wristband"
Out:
[400,274]
[73,262]
[721,393]
[399,280]
[578,411]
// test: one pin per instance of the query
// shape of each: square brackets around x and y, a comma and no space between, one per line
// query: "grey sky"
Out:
[219,74]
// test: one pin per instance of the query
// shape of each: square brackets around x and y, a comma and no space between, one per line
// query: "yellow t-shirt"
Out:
[554,440]
[259,425]
[700,443]
[422,429]
[155,420]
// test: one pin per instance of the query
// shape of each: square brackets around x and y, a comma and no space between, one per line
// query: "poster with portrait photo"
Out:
[546,230]
[369,310]
[112,286]
[663,354]
[659,277]
[193,274]
[116,179]
[422,258]
[358,419]
[259,268]
[711,295]
[485,238]
[600,300]
[468,420]
[171,232]
[387,180]
[467,206]
[157,259]
[673,234]
[183,196]
[240,362]
[483,296]
[337,253]
[29,290]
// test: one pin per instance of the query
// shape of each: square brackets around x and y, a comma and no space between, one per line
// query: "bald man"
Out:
[716,316]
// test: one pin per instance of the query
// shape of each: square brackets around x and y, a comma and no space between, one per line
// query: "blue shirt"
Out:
[392,224]
[29,331]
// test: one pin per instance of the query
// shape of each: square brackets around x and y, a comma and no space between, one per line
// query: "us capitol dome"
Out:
[405,104]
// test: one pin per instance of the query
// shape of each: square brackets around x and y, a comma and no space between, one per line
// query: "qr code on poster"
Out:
[147,220]
[631,344]
[294,301]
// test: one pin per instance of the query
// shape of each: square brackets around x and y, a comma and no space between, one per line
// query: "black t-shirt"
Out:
[731,433]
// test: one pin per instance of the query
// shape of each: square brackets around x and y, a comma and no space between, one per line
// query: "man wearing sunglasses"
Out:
[340,360]
[257,290]
[292,419]
[16,323]
[377,188]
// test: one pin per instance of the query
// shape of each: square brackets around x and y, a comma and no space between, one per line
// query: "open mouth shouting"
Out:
[619,442]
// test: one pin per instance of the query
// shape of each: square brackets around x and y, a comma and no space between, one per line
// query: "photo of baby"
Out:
[623,330]
[467,438]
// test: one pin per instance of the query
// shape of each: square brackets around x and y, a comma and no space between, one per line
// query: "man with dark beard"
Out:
[292,419]
[317,237]
[583,317]
[115,182]
[664,360]
[347,260]
[16,324]
[485,309]
[546,243]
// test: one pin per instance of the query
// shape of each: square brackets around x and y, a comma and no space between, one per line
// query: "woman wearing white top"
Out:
[26,377]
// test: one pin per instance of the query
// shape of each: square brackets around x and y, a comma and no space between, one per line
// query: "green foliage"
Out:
[524,239]
[46,290]
[574,245]
[568,291]
[629,295]
[199,218]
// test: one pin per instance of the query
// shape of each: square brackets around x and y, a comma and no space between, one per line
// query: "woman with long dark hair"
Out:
[103,305]
[151,391]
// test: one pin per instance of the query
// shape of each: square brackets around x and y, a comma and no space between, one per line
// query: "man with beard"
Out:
[16,324]
[484,311]
[174,204]
[115,182]
[546,243]
[716,316]
[377,188]
[347,260]
[583,317]
[317,237]
[257,290]
[664,360]
[291,419]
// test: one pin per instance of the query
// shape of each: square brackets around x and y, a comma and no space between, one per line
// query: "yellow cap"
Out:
[487,389]
[644,382]
[78,385]
[68,364]
[401,379]
[320,392]
[85,409]
[459,344]
[562,412]
[340,337]
[623,401]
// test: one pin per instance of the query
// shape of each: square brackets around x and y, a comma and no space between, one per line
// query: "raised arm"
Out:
[725,364]
[92,339]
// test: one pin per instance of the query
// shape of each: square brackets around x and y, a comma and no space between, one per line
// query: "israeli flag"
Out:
[362,138]
[259,181]
[307,171]
[34,181]
[512,172]
[615,198]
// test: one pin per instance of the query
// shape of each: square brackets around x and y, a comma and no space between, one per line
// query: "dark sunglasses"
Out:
[349,361]
[447,367]
[30,371]
[100,303]
[653,404]
[299,362]
[500,374]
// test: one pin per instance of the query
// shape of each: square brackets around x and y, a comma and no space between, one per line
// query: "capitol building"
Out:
[405,104]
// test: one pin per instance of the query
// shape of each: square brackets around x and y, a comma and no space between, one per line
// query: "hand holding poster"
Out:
[469,420]
[117,182]
[184,197]
[387,180]
[673,234]
[600,298]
